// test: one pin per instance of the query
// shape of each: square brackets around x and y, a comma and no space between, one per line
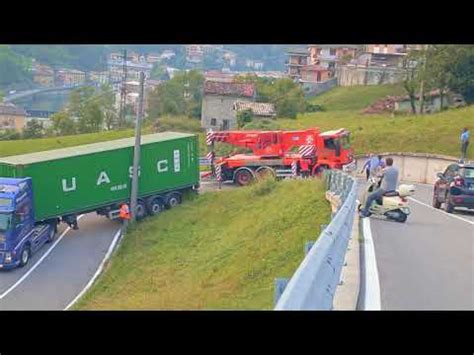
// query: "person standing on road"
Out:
[389,184]
[366,167]
[464,143]
[304,168]
[124,214]
[374,165]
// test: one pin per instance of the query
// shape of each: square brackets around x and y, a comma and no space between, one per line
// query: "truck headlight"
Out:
[8,257]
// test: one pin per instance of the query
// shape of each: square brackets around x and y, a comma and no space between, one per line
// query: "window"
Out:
[213,122]
[332,51]
[467,173]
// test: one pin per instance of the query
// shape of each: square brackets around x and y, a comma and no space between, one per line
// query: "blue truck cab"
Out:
[20,234]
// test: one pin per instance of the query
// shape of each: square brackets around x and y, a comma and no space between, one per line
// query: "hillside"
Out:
[355,97]
[187,258]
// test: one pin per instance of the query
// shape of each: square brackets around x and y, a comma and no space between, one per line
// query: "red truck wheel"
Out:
[243,177]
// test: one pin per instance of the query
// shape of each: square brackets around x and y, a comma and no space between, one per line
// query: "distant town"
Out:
[315,68]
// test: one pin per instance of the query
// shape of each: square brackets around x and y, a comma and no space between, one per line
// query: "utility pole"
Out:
[123,91]
[136,155]
[422,84]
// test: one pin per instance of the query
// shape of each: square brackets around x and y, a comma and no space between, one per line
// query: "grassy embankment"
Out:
[220,251]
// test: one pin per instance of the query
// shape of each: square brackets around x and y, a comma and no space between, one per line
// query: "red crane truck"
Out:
[280,153]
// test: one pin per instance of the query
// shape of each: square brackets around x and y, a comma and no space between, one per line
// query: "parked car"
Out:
[455,187]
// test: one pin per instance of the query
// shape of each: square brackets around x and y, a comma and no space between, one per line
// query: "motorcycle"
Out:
[393,205]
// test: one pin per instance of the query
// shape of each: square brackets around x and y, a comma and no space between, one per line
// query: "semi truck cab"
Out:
[20,234]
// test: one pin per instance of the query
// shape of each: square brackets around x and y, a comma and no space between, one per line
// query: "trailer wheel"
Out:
[25,255]
[173,199]
[318,172]
[141,211]
[243,177]
[155,205]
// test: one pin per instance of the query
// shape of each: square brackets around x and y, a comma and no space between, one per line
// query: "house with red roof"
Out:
[218,100]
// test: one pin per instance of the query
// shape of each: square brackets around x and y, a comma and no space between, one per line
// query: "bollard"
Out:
[307,247]
[280,285]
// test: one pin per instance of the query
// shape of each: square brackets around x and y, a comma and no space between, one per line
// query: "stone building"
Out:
[218,103]
[12,117]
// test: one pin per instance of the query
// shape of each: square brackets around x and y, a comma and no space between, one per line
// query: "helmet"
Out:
[406,190]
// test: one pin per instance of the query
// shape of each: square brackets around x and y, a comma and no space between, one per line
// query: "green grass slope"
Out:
[219,251]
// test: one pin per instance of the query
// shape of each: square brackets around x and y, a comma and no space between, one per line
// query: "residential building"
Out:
[215,75]
[258,109]
[297,58]
[194,53]
[12,117]
[230,58]
[328,56]
[116,69]
[218,103]
[70,77]
[152,58]
[386,55]
[315,73]
[167,54]
[43,75]
[258,64]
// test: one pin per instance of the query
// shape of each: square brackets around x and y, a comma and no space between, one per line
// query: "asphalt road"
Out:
[426,263]
[52,282]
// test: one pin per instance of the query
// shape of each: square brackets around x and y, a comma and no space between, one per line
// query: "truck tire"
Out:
[319,171]
[264,172]
[155,205]
[25,255]
[52,234]
[243,177]
[141,210]
[173,199]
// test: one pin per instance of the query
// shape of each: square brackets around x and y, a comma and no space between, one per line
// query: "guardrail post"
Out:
[308,245]
[280,285]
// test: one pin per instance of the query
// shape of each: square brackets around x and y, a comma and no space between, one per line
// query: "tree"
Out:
[92,117]
[33,129]
[181,95]
[244,117]
[13,67]
[62,124]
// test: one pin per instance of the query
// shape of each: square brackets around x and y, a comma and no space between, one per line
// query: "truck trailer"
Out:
[40,190]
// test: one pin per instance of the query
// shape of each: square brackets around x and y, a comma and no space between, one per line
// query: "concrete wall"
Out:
[221,108]
[415,167]
[312,89]
[362,75]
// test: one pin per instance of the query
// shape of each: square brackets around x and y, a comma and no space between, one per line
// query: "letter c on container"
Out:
[159,166]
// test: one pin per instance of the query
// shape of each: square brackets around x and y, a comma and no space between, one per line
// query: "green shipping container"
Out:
[87,177]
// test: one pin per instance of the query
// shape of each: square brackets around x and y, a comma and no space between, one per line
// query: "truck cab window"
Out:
[5,220]
[329,143]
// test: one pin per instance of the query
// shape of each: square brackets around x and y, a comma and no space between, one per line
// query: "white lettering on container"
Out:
[130,171]
[162,166]
[69,188]
[103,178]
[177,162]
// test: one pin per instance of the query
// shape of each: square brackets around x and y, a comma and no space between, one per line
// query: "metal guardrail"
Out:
[314,283]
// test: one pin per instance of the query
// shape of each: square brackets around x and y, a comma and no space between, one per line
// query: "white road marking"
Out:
[98,272]
[441,211]
[372,301]
[16,284]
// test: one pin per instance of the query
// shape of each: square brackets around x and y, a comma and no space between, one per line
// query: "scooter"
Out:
[393,205]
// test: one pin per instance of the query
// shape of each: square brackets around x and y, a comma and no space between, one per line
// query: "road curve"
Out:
[427,262]
[52,283]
